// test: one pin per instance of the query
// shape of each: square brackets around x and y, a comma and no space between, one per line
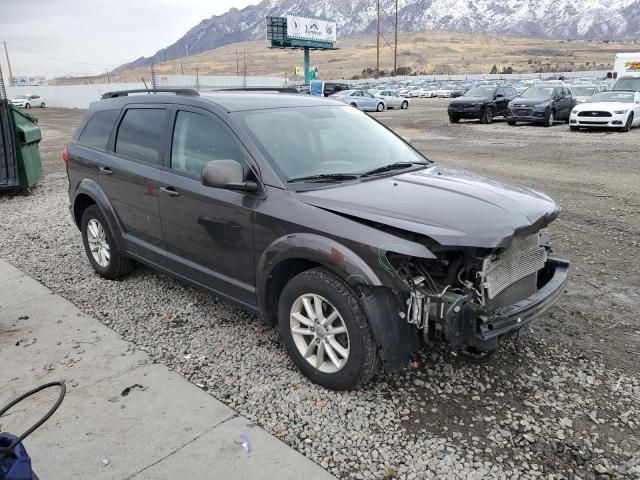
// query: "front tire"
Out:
[454,119]
[325,331]
[27,105]
[379,107]
[487,116]
[404,105]
[550,119]
[629,124]
[100,246]
[42,105]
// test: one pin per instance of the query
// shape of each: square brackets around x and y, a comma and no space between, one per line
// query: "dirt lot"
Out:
[562,401]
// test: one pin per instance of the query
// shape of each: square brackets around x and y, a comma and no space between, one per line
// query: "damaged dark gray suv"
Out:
[317,218]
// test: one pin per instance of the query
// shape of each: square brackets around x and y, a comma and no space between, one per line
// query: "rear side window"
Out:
[98,129]
[140,134]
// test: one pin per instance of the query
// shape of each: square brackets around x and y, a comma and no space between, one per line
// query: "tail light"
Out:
[65,155]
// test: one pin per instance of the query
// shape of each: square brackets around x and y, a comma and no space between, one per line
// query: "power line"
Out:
[60,59]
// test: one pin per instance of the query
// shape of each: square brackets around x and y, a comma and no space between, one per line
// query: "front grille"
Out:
[523,288]
[523,112]
[462,104]
[595,122]
[524,257]
[594,113]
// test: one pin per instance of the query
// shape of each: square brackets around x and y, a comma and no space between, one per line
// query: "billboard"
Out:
[305,28]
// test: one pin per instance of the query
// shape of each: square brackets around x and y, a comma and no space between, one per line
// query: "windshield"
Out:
[583,91]
[326,140]
[624,97]
[631,84]
[21,96]
[538,92]
[481,92]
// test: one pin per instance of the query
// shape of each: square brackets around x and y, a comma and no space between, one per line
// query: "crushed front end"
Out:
[472,298]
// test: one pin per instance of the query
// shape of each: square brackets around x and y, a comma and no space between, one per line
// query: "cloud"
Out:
[89,36]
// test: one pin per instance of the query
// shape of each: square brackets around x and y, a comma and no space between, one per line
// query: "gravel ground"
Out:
[561,401]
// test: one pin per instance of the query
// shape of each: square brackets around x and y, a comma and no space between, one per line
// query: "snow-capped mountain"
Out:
[557,19]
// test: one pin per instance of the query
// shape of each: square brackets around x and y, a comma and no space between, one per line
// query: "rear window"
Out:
[140,134]
[98,129]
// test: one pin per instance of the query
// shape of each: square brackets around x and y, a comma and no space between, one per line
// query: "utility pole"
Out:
[108,79]
[378,42]
[244,55]
[237,63]
[395,49]
[6,53]
[186,47]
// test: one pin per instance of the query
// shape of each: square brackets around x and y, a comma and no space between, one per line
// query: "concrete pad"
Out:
[166,428]
[220,451]
[15,290]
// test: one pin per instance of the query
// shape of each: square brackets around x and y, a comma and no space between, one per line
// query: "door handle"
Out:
[172,192]
[106,170]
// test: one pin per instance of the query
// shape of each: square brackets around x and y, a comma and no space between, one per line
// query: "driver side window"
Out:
[197,140]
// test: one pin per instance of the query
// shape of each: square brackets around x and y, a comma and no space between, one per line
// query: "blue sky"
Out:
[91,35]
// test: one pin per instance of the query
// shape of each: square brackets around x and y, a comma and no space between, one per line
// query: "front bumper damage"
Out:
[455,319]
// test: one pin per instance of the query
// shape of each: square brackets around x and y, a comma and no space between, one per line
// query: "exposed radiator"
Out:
[523,258]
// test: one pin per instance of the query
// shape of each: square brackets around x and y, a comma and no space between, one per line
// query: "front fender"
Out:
[90,188]
[326,251]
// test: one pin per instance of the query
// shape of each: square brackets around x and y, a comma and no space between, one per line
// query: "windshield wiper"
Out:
[393,166]
[325,177]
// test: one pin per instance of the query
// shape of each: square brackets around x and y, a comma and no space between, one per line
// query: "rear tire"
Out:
[487,116]
[354,105]
[550,119]
[380,107]
[111,263]
[573,129]
[353,347]
[454,119]
[511,123]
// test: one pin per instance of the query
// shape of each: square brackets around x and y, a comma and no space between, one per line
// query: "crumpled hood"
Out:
[452,207]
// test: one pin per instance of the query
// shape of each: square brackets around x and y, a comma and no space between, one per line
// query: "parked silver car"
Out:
[361,100]
[392,99]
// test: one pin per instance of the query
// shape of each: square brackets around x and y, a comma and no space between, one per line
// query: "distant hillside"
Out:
[551,19]
[434,51]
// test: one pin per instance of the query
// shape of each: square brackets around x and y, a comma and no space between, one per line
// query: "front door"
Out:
[208,231]
[128,176]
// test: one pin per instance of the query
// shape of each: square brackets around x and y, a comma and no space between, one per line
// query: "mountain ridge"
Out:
[552,19]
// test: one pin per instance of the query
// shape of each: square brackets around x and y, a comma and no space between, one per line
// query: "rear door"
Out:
[208,231]
[129,177]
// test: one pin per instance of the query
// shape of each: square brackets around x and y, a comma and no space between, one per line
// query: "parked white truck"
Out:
[626,72]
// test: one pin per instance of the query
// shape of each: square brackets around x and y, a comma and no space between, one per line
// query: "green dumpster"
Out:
[28,137]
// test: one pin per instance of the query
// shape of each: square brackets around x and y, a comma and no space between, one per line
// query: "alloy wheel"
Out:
[98,243]
[319,333]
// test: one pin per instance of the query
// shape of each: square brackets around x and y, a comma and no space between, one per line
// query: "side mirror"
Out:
[226,174]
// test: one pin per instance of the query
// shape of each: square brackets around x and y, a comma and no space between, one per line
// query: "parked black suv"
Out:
[542,104]
[316,217]
[483,103]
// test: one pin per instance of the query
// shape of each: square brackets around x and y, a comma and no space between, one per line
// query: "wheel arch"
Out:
[289,255]
[89,193]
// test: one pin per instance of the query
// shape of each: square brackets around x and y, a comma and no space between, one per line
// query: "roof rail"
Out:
[178,91]
[260,89]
